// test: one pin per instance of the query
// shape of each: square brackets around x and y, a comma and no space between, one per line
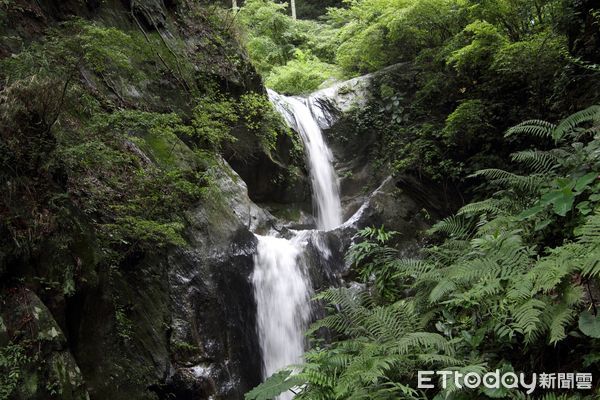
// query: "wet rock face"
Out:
[334,107]
[150,12]
[215,316]
[369,196]
[214,342]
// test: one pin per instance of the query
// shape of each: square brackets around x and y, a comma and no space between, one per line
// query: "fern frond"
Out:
[550,271]
[388,323]
[527,318]
[490,206]
[532,127]
[562,315]
[441,290]
[453,226]
[536,160]
[590,114]
[423,340]
[589,233]
[530,183]
[520,290]
[412,268]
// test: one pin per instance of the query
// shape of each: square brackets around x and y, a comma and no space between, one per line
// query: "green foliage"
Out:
[466,122]
[303,74]
[271,33]
[124,325]
[483,40]
[589,324]
[12,359]
[261,120]
[499,288]
[293,55]
[213,121]
[377,33]
[243,126]
[279,382]
[377,260]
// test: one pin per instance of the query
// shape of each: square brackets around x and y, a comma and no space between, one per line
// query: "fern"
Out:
[527,318]
[540,162]
[562,316]
[488,206]
[453,226]
[528,184]
[590,114]
[534,127]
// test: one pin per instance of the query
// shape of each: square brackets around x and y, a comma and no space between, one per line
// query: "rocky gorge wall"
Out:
[81,318]
[165,309]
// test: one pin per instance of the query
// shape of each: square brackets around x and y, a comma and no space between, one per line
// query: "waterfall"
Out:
[281,283]
[282,292]
[324,181]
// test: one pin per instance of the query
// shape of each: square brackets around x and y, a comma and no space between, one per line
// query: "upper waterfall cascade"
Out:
[282,286]
[325,185]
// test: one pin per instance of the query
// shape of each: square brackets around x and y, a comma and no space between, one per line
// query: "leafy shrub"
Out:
[242,126]
[303,74]
[12,359]
[484,39]
[466,124]
[271,33]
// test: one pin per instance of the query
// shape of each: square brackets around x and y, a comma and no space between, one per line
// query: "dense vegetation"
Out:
[510,281]
[478,67]
[511,285]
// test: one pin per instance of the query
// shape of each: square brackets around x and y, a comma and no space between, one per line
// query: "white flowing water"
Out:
[324,181]
[282,286]
[282,291]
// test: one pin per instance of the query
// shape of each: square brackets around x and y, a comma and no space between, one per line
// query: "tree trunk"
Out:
[234,4]
[293,5]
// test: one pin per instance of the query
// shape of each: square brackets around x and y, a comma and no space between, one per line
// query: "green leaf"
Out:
[589,324]
[542,224]
[584,207]
[530,212]
[564,204]
[276,384]
[585,180]
[562,200]
[551,197]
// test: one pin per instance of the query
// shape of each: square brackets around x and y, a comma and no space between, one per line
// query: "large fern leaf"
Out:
[566,126]
[533,127]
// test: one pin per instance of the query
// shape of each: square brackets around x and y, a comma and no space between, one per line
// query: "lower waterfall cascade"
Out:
[282,286]
[282,291]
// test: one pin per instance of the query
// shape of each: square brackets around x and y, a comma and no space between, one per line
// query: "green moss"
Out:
[184,347]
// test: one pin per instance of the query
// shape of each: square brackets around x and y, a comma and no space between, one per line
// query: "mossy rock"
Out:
[39,358]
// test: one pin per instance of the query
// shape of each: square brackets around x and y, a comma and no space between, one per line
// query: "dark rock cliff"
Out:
[154,321]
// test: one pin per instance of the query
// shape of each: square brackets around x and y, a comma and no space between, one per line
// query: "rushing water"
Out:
[282,292]
[324,181]
[281,284]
